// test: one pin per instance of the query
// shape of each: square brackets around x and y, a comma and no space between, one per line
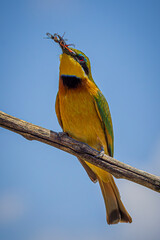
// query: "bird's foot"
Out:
[101,153]
[63,134]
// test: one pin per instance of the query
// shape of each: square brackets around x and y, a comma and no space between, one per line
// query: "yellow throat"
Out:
[69,66]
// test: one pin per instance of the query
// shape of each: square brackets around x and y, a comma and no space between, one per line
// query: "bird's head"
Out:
[72,61]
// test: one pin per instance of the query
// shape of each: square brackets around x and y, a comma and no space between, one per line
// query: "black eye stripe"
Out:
[82,62]
[85,68]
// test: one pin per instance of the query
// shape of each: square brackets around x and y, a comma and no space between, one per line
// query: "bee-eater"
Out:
[83,113]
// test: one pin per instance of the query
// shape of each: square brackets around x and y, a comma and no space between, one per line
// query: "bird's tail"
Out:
[115,209]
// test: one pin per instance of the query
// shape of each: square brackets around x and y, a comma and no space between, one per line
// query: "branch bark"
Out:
[79,149]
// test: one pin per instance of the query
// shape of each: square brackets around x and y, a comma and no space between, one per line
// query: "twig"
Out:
[79,149]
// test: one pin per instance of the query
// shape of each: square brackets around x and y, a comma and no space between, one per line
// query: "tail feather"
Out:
[115,209]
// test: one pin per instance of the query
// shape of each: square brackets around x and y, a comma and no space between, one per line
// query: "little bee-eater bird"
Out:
[83,113]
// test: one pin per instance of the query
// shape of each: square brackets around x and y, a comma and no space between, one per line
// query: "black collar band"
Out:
[71,81]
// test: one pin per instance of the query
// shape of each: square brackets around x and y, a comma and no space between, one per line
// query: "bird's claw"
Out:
[101,153]
[62,134]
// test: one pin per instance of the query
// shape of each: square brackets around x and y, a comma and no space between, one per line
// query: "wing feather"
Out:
[58,110]
[105,116]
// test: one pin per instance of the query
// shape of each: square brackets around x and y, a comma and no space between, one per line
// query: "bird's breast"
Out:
[79,116]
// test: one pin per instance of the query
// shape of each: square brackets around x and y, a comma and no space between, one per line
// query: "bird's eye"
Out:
[81,58]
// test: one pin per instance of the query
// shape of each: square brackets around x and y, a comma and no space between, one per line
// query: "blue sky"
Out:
[44,193]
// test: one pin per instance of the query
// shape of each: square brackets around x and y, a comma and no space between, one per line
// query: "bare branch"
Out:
[79,149]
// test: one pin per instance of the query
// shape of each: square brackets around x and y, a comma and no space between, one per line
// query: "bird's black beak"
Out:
[57,38]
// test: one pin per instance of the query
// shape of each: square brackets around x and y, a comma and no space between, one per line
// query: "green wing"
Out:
[105,116]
